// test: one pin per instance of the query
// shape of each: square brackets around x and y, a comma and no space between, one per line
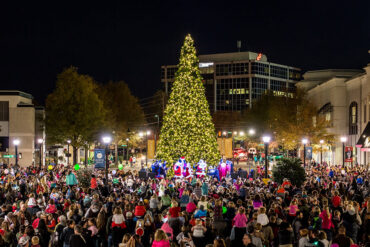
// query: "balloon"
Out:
[114,172]
[50,167]
[77,167]
[6,171]
[120,166]
[115,181]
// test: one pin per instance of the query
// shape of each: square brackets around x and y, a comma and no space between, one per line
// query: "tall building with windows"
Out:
[21,120]
[343,98]
[234,80]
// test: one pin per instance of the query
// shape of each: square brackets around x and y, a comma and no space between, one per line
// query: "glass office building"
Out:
[234,80]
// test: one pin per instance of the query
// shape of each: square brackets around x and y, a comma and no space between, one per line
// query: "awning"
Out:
[364,140]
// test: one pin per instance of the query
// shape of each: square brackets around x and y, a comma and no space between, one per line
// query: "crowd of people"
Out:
[42,207]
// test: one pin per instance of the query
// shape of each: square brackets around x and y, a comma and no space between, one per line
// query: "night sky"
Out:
[130,40]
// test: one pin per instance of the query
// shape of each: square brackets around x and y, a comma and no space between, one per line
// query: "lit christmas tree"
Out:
[187,128]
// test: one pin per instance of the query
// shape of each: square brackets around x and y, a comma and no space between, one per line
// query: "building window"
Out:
[353,118]
[365,113]
[4,110]
[326,111]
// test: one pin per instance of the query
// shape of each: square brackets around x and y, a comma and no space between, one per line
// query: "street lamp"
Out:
[321,142]
[304,141]
[266,140]
[106,141]
[68,142]
[40,141]
[16,142]
[127,139]
[241,133]
[343,139]
[251,132]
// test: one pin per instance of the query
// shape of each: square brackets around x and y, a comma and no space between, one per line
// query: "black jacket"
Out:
[77,241]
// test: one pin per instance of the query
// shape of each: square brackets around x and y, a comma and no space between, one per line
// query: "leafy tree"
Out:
[288,119]
[187,128]
[73,111]
[290,168]
[123,111]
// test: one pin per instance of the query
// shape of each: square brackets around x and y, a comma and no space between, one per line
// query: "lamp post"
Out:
[127,139]
[266,140]
[68,142]
[304,141]
[106,141]
[343,139]
[321,142]
[40,141]
[16,142]
[251,132]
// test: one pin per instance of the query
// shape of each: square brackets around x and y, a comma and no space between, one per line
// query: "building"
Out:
[20,119]
[343,98]
[233,80]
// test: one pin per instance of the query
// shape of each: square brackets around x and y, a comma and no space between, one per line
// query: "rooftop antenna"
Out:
[239,45]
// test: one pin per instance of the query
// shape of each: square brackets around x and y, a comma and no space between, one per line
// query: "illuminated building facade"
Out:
[234,80]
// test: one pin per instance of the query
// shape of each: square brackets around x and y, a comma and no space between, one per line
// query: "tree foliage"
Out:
[123,110]
[290,168]
[73,110]
[187,128]
[288,119]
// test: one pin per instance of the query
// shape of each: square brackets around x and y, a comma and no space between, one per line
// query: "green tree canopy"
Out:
[288,119]
[123,109]
[73,111]
[290,168]
[187,128]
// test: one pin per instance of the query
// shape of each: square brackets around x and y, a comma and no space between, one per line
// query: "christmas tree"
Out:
[187,128]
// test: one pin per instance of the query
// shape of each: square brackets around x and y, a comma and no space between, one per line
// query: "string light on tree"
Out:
[187,128]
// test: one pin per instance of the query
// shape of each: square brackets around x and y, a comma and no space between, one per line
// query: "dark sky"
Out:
[130,40]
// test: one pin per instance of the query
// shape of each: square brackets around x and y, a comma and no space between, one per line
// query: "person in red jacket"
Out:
[175,210]
[93,183]
[140,209]
[336,200]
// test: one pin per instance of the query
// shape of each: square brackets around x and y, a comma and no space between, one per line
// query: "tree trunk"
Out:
[75,149]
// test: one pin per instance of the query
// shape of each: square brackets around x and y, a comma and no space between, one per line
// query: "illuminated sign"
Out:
[259,56]
[205,65]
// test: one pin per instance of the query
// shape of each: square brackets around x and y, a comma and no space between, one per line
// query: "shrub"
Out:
[290,168]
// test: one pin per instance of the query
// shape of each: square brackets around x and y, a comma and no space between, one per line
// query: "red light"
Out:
[259,56]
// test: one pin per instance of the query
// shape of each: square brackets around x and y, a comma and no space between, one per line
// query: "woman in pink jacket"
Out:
[327,224]
[240,225]
[160,239]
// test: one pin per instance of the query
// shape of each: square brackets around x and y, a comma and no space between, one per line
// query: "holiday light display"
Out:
[187,124]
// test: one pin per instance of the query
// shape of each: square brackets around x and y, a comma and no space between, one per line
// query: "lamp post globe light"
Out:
[106,140]
[68,154]
[304,141]
[343,140]
[16,142]
[40,141]
[266,140]
[321,142]
[251,132]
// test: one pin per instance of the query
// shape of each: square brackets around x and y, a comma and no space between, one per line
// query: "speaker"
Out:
[151,175]
[142,175]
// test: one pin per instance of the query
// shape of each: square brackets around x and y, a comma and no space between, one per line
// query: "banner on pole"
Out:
[309,153]
[348,154]
[99,158]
